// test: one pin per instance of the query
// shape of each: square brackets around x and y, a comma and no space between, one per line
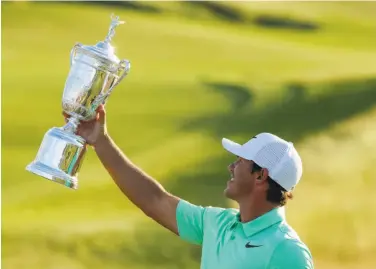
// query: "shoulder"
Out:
[208,213]
[290,251]
[221,214]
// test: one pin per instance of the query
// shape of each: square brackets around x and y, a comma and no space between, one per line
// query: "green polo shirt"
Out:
[267,242]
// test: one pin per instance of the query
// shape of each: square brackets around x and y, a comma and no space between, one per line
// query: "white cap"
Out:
[272,152]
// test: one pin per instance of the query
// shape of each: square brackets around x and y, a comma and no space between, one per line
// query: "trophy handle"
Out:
[126,66]
[73,52]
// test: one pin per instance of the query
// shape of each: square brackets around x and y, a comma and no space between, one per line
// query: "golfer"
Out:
[265,171]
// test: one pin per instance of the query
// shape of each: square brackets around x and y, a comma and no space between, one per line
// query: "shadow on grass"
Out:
[280,22]
[220,10]
[293,116]
[129,5]
[239,96]
[225,12]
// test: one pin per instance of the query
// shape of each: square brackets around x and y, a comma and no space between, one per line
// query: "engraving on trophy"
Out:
[94,72]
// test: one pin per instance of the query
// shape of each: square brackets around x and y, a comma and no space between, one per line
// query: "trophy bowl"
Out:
[94,72]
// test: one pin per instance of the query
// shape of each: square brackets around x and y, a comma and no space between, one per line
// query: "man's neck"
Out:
[251,210]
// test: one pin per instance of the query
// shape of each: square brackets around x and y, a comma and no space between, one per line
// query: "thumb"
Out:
[101,114]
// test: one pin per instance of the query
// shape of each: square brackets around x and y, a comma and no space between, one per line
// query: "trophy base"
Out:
[59,157]
[52,174]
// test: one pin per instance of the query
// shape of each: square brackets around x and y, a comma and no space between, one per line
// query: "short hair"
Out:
[276,193]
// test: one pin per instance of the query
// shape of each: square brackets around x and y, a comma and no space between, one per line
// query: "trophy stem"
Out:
[71,125]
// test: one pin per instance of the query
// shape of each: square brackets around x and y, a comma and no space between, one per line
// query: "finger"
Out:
[100,107]
[101,114]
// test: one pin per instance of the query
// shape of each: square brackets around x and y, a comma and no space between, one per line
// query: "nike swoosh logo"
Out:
[249,245]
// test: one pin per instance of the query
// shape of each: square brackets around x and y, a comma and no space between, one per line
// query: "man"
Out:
[255,236]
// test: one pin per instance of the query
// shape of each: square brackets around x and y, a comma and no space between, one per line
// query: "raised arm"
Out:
[142,190]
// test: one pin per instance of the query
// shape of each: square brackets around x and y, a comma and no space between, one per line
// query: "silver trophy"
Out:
[94,73]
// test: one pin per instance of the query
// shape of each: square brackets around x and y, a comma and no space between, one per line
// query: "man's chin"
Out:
[227,193]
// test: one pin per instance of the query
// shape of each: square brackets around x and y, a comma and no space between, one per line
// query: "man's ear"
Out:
[264,173]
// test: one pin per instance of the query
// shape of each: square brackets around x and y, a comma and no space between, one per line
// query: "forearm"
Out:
[140,188]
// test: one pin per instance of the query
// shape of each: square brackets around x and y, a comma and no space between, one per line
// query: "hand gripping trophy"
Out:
[94,73]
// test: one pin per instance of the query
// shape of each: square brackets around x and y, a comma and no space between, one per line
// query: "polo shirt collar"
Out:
[264,221]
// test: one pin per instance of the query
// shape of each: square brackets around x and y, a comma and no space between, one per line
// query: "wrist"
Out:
[101,141]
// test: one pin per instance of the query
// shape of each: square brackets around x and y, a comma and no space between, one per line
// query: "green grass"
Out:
[195,78]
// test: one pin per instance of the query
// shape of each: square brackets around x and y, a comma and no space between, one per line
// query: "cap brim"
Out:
[232,147]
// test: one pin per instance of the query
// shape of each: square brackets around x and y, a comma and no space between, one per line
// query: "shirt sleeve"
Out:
[190,222]
[291,254]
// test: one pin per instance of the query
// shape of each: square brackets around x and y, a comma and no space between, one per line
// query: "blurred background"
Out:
[200,71]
